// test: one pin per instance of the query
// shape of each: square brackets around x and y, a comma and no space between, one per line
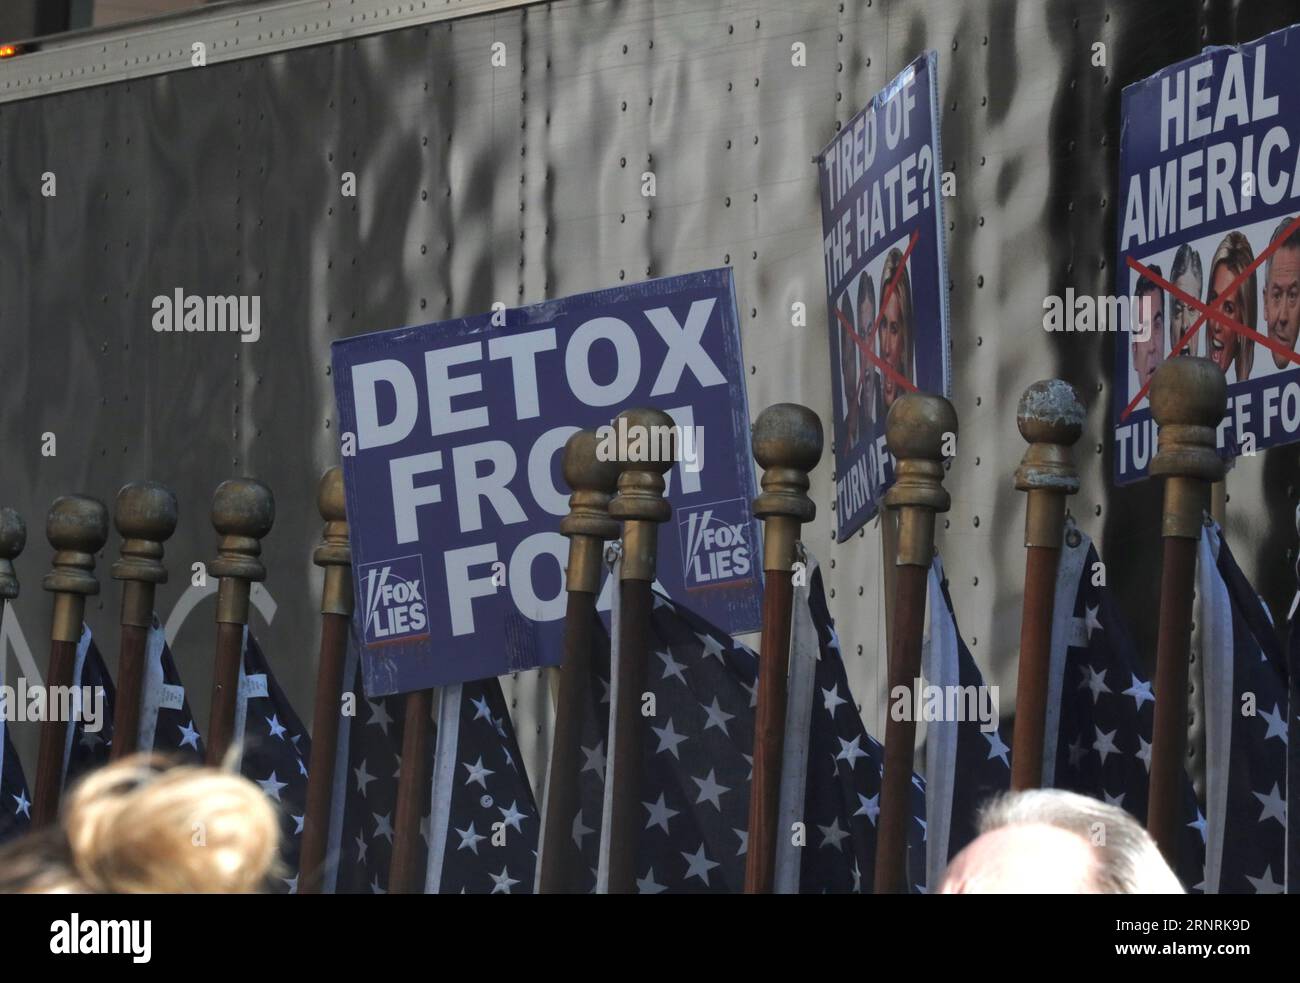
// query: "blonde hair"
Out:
[1235,253]
[139,826]
[893,262]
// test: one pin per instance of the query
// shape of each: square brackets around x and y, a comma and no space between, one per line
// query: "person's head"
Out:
[1282,290]
[1186,276]
[866,305]
[1047,841]
[138,826]
[896,326]
[1232,257]
[848,351]
[1148,327]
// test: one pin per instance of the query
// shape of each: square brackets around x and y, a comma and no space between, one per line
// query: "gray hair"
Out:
[1186,260]
[1127,860]
[1292,242]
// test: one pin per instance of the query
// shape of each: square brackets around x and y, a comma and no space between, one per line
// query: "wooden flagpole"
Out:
[787,443]
[334,555]
[1188,399]
[588,525]
[243,511]
[1050,418]
[916,431]
[145,516]
[640,506]
[77,528]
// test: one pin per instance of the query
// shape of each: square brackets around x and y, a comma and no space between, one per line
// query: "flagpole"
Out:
[334,555]
[145,516]
[640,506]
[588,525]
[916,433]
[1188,399]
[787,444]
[77,528]
[1050,417]
[243,511]
[417,725]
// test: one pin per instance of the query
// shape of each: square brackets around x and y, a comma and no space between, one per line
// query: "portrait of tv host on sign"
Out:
[1282,290]
[1226,346]
[872,407]
[897,328]
[1186,276]
[1148,327]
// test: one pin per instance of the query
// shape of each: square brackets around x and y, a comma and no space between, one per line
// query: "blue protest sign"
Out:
[454,490]
[886,277]
[1209,242]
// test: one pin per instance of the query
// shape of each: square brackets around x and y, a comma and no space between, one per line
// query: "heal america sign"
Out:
[1209,242]
[454,488]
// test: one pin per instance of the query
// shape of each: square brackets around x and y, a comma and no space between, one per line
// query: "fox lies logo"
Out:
[394,599]
[714,548]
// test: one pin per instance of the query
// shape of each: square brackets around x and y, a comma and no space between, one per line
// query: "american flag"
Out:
[86,747]
[274,749]
[485,819]
[831,769]
[15,802]
[166,723]
[1100,708]
[968,758]
[1246,716]
[698,762]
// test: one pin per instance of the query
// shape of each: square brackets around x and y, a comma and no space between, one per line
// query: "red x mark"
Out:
[864,346]
[1212,311]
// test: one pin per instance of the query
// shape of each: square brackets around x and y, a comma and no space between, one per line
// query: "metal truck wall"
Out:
[479,183]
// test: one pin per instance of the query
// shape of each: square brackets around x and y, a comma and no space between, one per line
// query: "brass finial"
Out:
[645,448]
[13,537]
[1188,399]
[593,481]
[243,511]
[335,551]
[787,442]
[1050,417]
[917,430]
[77,528]
[145,516]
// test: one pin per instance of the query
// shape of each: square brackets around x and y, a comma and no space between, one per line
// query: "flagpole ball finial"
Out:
[1050,417]
[145,515]
[919,432]
[646,442]
[787,441]
[334,552]
[1189,397]
[918,425]
[592,474]
[1051,412]
[649,449]
[330,499]
[13,537]
[77,528]
[243,511]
